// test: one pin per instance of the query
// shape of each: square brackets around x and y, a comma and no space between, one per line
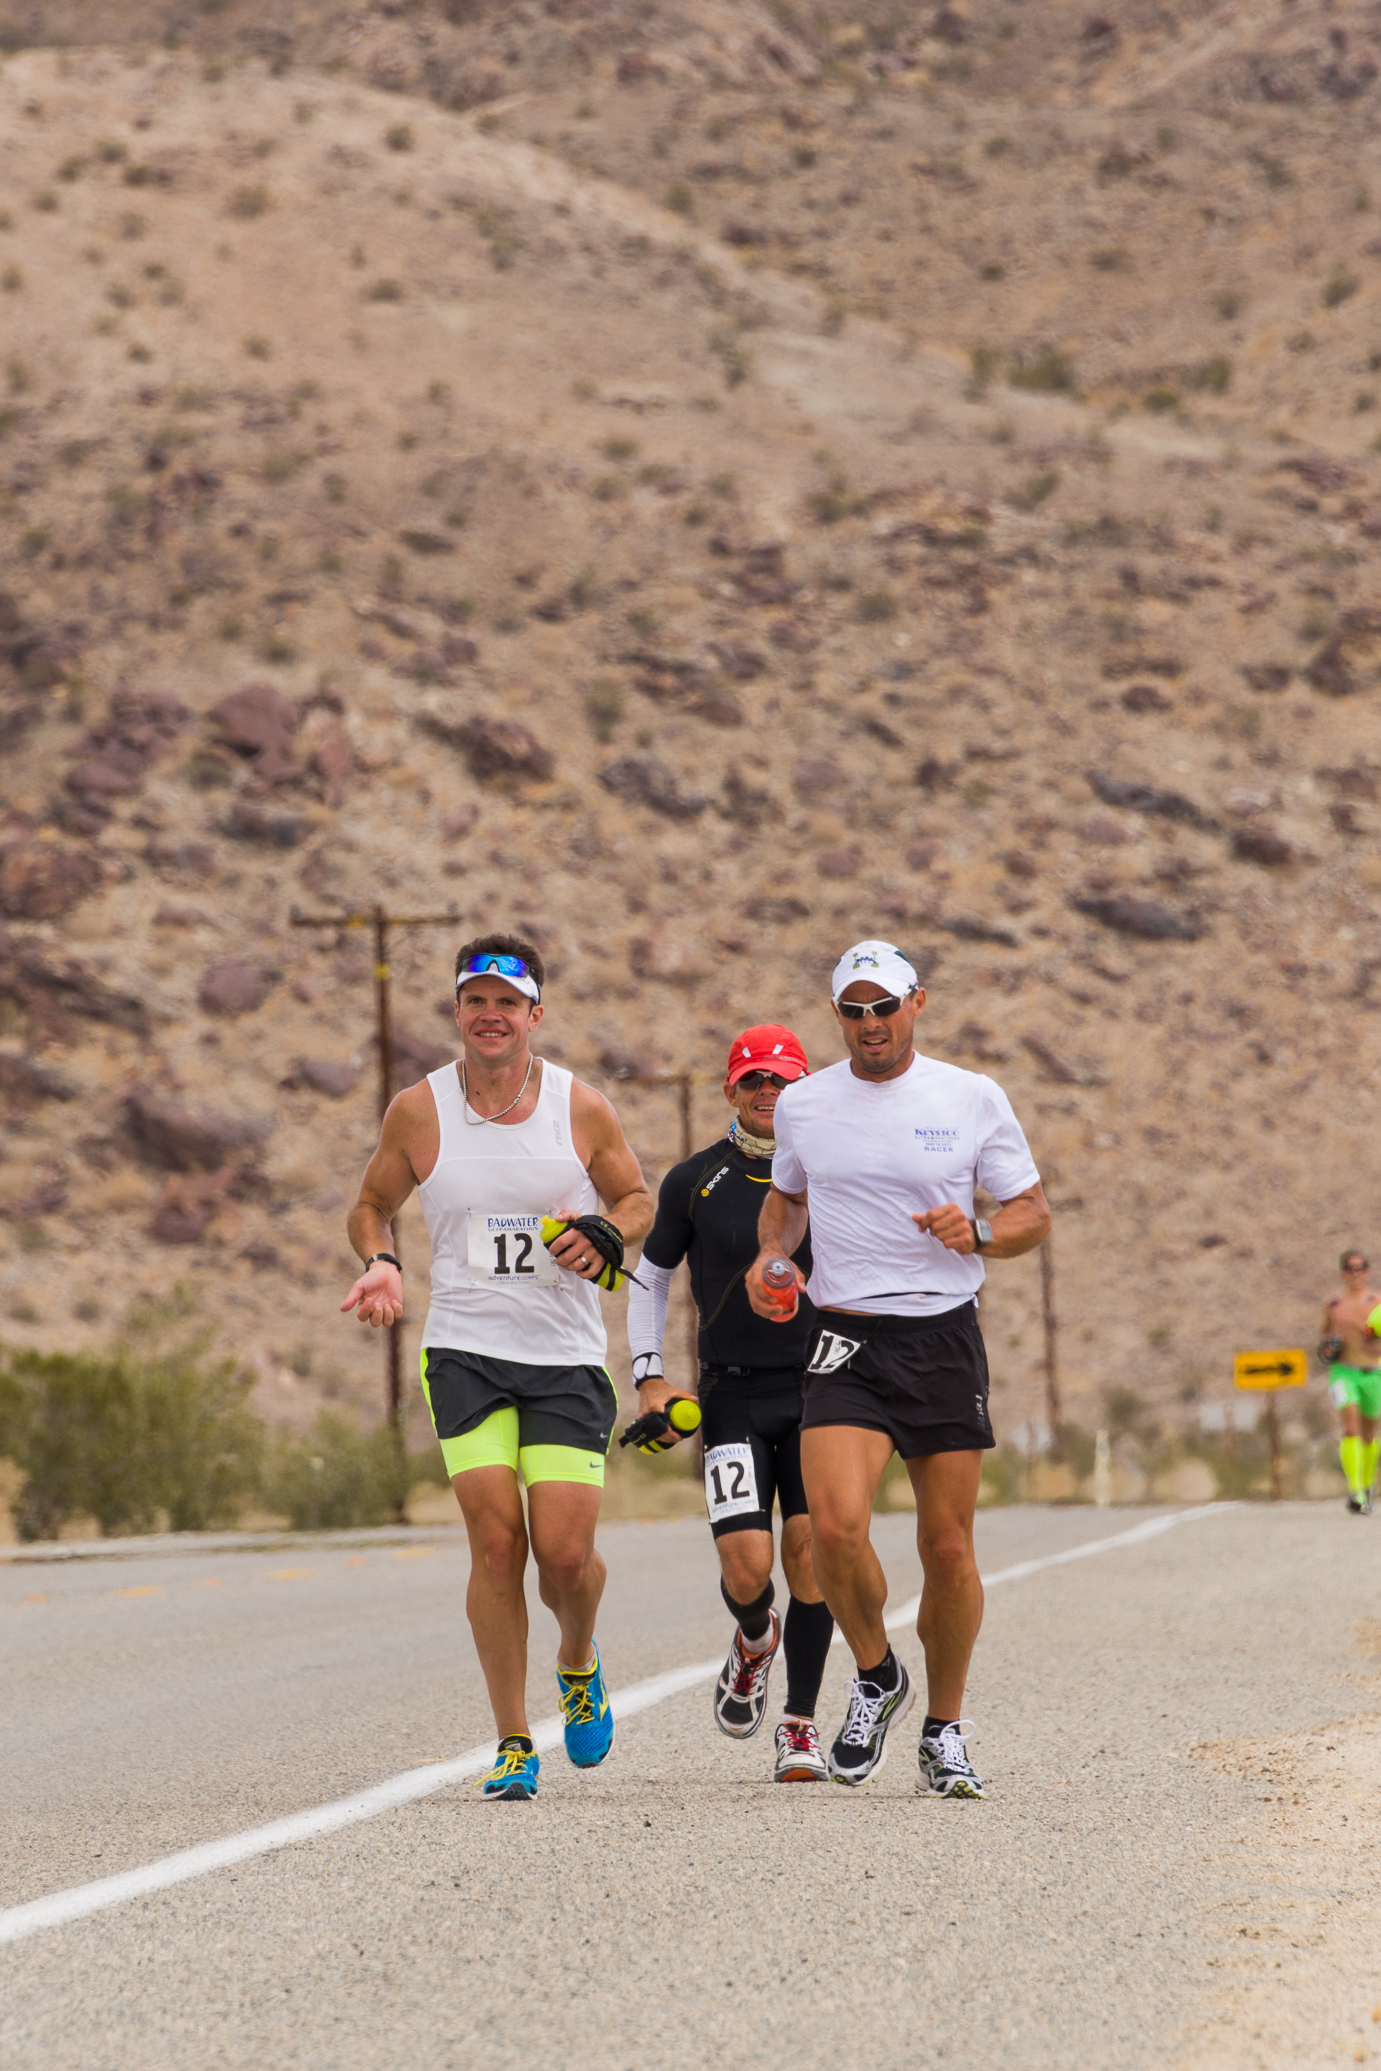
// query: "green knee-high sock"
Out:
[1350,1453]
[1369,1452]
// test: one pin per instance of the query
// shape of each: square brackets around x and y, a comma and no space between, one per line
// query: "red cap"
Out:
[769,1048]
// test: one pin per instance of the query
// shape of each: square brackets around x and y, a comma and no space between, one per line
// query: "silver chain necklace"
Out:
[465,1098]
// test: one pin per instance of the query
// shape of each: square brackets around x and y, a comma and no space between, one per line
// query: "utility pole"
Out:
[381,924]
[1053,1410]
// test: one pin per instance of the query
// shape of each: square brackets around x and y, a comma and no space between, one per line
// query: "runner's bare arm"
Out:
[604,1151]
[389,1178]
[1020,1224]
[781,1226]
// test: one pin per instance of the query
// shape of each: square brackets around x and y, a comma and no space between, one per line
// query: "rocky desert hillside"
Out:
[699,484]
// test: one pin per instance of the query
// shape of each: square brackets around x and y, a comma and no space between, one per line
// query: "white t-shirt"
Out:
[871,1153]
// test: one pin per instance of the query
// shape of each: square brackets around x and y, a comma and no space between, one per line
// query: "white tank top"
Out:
[495,1288]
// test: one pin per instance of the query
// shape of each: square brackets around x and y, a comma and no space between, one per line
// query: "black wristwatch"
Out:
[386,1256]
[982,1234]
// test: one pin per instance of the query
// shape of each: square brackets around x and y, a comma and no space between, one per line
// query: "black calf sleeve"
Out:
[753,1619]
[806,1640]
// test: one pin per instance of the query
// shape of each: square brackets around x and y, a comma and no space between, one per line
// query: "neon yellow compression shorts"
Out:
[547,1423]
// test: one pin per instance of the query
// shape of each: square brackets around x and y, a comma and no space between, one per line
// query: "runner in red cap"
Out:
[751,1379]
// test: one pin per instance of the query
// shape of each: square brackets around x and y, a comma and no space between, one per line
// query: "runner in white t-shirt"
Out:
[887,1148]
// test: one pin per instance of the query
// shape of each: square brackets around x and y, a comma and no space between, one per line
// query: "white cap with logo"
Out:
[881,963]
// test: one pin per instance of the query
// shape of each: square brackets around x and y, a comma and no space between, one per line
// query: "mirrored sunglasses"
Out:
[754,1081]
[488,966]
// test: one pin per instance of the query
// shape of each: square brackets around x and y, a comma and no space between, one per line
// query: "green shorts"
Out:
[549,1423]
[1356,1387]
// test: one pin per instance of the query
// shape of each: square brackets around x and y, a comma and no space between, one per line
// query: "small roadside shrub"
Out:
[874,607]
[400,137]
[144,1431]
[248,202]
[336,1478]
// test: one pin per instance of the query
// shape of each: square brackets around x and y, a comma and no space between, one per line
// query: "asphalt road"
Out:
[674,1908]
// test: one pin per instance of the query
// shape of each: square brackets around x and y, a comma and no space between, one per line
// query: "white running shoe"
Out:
[740,1697]
[800,1757]
[945,1764]
[861,1748]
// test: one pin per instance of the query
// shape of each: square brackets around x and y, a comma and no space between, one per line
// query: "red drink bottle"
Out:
[779,1279]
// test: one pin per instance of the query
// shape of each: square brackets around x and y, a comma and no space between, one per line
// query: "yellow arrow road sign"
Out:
[1270,1369]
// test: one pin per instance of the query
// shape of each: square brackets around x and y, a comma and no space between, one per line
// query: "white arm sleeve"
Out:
[647,1319]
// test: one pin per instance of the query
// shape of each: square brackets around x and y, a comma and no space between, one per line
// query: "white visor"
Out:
[881,963]
[523,981]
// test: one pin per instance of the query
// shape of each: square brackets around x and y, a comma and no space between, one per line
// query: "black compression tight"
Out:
[806,1642]
[753,1619]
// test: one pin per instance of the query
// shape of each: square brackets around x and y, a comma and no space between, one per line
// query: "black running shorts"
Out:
[923,1380]
[751,1428]
[550,1410]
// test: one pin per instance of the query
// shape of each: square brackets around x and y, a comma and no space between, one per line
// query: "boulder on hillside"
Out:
[1147,918]
[1338,669]
[1145,798]
[249,822]
[39,880]
[645,780]
[60,993]
[23,1083]
[503,748]
[258,722]
[181,1139]
[115,755]
[321,1075]
[815,776]
[234,987]
[1262,845]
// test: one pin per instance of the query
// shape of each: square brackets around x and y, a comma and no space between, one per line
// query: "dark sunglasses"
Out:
[754,1081]
[854,1010]
[1363,1267]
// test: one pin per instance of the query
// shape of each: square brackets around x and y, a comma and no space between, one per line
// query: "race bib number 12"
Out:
[506,1250]
[731,1485]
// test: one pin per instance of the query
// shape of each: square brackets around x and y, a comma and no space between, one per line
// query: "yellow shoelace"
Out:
[577,1706]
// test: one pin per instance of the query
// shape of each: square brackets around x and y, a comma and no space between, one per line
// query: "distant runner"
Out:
[1353,1358]
[887,1149]
[513,1366]
[751,1374]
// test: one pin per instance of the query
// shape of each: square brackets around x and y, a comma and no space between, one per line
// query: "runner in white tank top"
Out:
[514,1343]
[884,1152]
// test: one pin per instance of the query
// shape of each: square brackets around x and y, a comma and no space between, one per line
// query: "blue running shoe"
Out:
[585,1710]
[514,1775]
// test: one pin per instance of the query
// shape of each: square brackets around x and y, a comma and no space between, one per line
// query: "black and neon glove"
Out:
[607,1239]
[660,1429]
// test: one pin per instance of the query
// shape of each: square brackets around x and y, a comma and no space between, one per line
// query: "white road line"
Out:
[61,1906]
